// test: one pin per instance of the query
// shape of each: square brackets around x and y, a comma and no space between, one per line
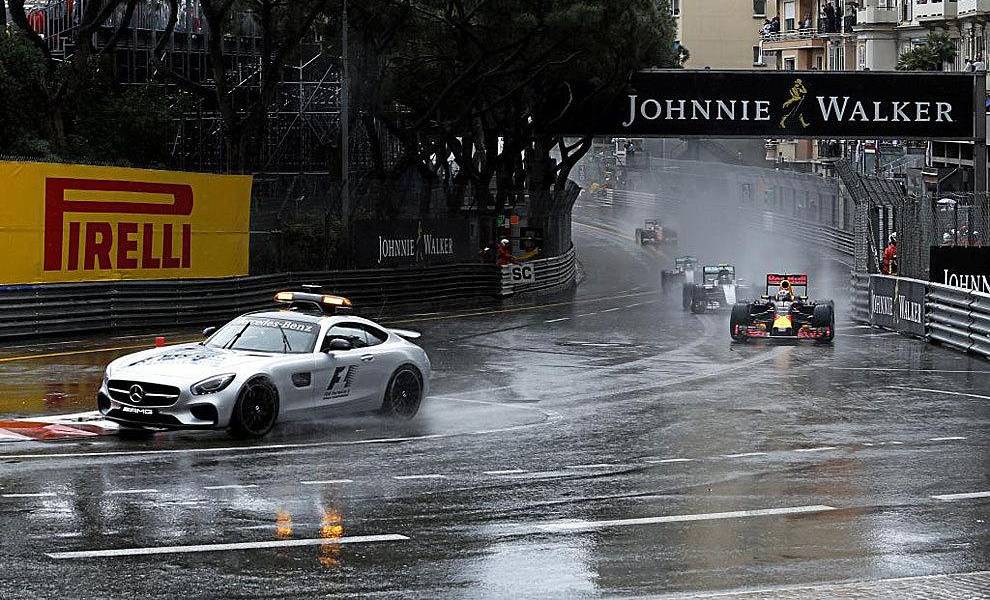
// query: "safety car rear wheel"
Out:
[256,410]
[739,318]
[404,394]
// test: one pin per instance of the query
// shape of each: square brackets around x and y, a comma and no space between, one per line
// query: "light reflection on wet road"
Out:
[614,445]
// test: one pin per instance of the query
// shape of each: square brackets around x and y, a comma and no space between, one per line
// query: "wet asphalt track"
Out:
[607,444]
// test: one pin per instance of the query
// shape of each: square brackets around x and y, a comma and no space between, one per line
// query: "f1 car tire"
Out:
[256,410]
[824,316]
[404,394]
[740,316]
[687,293]
[698,303]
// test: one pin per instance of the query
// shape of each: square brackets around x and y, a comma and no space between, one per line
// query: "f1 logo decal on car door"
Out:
[340,383]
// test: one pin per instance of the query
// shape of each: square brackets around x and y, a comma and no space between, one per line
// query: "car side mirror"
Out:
[209,331]
[339,345]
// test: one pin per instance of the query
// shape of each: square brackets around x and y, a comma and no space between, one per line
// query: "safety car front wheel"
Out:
[256,409]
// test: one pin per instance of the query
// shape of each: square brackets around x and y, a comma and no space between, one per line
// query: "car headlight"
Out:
[212,385]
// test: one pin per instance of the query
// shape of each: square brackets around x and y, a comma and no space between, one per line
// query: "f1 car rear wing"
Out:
[798,282]
[685,261]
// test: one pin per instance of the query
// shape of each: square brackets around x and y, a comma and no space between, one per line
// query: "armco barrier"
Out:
[954,317]
[815,233]
[545,275]
[58,309]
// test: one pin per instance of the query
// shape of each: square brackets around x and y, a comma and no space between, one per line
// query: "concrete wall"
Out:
[720,34]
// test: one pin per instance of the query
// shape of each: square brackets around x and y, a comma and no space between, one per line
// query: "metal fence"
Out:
[58,309]
[950,316]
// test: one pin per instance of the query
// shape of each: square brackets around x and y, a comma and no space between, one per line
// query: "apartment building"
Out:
[722,34]
[861,35]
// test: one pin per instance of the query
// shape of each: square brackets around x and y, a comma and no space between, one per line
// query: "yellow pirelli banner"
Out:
[84,223]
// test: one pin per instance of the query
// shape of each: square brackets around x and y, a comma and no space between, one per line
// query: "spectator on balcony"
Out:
[978,65]
[806,23]
[767,28]
[968,67]
[828,18]
[775,25]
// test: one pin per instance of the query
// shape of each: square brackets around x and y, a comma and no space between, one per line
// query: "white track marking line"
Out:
[592,466]
[951,438]
[230,487]
[506,472]
[818,449]
[915,389]
[744,454]
[427,476]
[585,315]
[667,460]
[899,369]
[558,320]
[327,482]
[389,537]
[38,495]
[580,525]
[122,492]
[966,496]
[612,309]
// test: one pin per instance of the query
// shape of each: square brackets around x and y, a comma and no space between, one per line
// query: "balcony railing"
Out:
[968,8]
[795,35]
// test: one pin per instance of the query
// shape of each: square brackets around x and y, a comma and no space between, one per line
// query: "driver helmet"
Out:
[784,293]
[893,238]
[504,242]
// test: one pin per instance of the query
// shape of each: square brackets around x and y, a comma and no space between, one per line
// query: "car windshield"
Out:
[266,334]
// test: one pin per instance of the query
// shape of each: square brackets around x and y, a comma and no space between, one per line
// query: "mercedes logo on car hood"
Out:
[136,394]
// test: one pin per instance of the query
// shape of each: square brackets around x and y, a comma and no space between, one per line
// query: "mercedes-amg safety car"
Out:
[653,232]
[683,272]
[784,312]
[267,366]
[719,289]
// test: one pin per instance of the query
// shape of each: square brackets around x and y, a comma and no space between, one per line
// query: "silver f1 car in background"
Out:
[719,289]
[267,366]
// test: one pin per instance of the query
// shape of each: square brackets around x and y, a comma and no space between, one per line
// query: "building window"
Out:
[675,7]
[789,15]
[757,56]
[759,8]
[820,62]
[790,64]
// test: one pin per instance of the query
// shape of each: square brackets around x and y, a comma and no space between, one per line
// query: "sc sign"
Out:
[522,273]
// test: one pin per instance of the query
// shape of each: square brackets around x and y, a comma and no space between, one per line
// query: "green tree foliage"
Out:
[937,50]
[71,109]
[471,79]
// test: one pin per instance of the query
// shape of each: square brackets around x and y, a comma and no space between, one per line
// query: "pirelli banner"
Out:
[816,104]
[63,223]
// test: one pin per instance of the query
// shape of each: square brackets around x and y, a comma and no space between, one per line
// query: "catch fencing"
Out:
[950,316]
[59,309]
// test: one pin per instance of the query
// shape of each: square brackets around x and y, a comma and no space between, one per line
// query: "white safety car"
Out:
[267,366]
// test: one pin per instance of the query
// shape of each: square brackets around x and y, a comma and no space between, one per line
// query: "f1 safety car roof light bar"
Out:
[324,303]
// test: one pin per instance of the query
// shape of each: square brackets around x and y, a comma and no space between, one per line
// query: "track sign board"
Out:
[522,273]
[775,104]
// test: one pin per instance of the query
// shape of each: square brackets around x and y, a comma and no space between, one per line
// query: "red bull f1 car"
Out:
[654,232]
[784,312]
